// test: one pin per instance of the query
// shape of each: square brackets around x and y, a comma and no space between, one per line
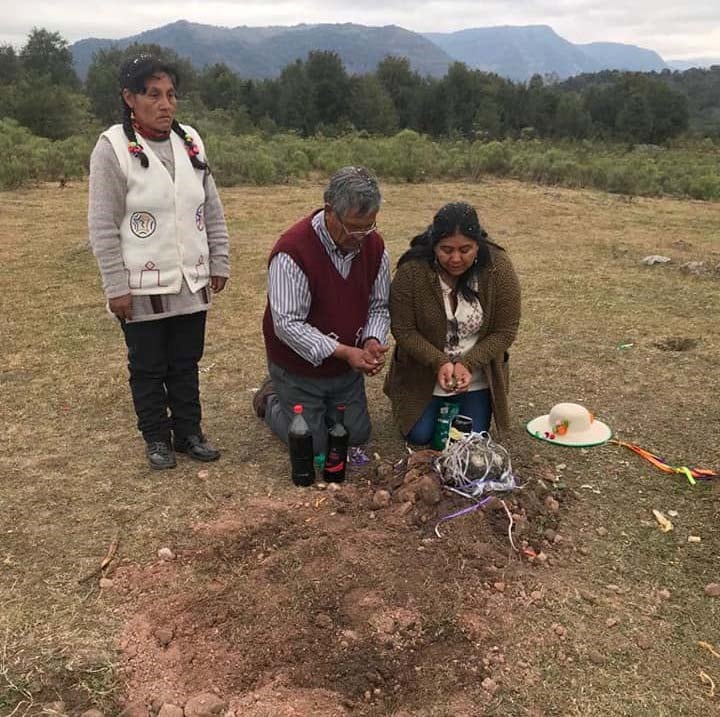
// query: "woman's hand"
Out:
[462,377]
[217,283]
[446,377]
[121,306]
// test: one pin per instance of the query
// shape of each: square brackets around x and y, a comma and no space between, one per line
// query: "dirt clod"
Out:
[712,590]
[381,499]
[170,710]
[135,709]
[204,704]
[165,554]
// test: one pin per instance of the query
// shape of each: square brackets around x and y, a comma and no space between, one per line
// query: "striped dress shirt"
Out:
[290,300]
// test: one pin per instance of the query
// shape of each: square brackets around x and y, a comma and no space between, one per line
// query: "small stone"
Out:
[541,557]
[612,588]
[551,504]
[560,467]
[587,596]
[204,704]
[596,657]
[92,713]
[559,630]
[549,535]
[165,554]
[168,710]
[656,259]
[321,485]
[334,487]
[536,595]
[164,635]
[694,539]
[381,499]
[601,531]
[583,550]
[663,594]
[693,267]
[106,583]
[489,685]
[500,587]
[611,622]
[203,474]
[644,642]
[712,590]
[324,621]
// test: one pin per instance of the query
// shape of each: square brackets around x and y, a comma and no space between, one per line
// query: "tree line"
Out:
[316,96]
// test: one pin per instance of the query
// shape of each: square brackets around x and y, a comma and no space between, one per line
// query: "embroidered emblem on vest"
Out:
[142,224]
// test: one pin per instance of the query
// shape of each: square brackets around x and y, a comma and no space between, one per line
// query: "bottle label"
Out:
[335,463]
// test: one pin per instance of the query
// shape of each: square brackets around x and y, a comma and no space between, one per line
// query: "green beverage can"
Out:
[446,413]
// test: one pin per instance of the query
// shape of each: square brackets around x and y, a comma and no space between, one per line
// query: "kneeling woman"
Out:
[454,309]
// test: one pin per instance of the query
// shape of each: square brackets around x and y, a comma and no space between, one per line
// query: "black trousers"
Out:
[163,358]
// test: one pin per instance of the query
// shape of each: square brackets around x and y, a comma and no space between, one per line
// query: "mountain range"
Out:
[262,52]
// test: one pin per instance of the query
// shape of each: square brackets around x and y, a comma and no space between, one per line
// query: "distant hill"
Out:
[261,52]
[617,56]
[694,62]
[520,52]
[515,52]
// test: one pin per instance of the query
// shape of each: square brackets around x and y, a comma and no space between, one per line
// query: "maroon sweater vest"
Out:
[339,307]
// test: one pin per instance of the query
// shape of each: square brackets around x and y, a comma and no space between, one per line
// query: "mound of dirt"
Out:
[343,602]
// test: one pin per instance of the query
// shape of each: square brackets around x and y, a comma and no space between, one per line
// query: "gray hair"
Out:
[353,188]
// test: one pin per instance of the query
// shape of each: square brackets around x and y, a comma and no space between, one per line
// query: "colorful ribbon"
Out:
[690,473]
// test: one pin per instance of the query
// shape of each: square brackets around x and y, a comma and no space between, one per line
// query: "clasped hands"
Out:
[369,359]
[454,377]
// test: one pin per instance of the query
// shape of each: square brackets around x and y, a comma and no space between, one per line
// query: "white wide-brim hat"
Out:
[569,424]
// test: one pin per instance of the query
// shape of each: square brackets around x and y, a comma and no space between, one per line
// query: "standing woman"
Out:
[454,311]
[158,232]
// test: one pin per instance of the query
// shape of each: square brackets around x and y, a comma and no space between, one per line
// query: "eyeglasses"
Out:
[358,233]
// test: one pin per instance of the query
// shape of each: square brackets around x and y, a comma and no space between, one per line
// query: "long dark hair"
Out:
[133,74]
[453,218]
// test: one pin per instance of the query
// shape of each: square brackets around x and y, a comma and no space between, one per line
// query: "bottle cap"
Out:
[297,408]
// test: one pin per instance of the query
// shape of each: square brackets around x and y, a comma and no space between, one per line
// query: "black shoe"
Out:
[198,448]
[160,455]
[261,396]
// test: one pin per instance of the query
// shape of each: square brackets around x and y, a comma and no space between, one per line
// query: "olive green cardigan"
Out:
[419,325]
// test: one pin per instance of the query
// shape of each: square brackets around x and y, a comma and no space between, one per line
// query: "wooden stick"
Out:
[112,550]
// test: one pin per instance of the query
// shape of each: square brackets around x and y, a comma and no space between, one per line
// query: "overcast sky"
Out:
[674,28]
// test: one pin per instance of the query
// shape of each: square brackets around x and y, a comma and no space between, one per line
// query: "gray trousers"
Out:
[319,398]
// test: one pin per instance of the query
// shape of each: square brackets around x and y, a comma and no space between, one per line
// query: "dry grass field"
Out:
[285,603]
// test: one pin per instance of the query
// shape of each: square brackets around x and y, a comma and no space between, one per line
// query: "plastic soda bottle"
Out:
[337,449]
[301,449]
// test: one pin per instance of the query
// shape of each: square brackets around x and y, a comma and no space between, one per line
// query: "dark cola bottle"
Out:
[301,449]
[337,449]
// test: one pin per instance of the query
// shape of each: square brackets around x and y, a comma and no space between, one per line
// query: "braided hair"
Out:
[453,218]
[133,74]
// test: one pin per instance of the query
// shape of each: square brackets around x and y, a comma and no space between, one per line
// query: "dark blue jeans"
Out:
[473,404]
